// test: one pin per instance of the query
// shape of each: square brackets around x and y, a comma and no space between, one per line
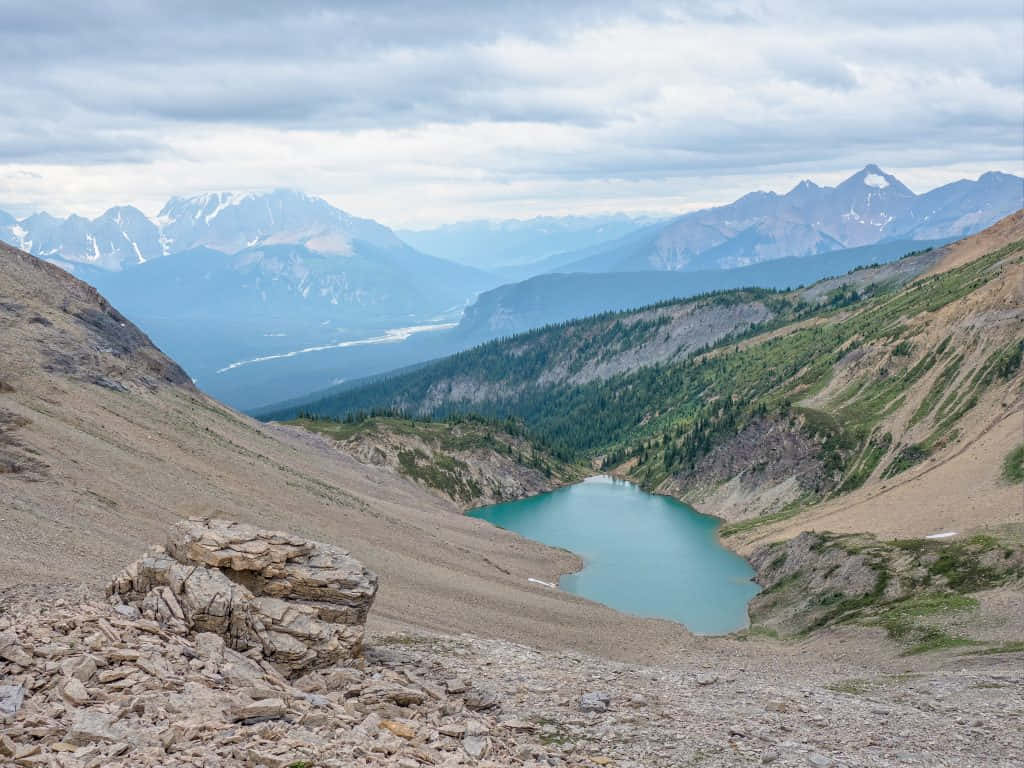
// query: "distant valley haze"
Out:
[292,295]
[324,192]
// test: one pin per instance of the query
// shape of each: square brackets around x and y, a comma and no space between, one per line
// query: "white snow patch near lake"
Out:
[391,335]
[874,180]
[545,583]
[945,535]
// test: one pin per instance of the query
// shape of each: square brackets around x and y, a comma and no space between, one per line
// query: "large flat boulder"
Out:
[303,604]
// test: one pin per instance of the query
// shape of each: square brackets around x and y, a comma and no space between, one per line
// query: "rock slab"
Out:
[11,698]
[302,604]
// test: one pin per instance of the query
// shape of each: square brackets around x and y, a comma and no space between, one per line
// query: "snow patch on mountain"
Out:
[876,180]
[21,234]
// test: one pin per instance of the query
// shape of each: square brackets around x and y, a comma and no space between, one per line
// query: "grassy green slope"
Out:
[837,372]
[470,460]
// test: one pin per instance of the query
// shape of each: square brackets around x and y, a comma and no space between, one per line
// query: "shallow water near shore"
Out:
[643,554]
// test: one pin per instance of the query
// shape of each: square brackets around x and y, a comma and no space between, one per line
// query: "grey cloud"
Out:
[105,81]
[812,68]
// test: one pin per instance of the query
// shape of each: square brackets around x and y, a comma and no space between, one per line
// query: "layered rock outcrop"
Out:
[301,604]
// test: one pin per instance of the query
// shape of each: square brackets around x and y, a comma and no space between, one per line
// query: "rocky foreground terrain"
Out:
[233,646]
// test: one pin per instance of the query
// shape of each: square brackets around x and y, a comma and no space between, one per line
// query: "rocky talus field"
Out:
[235,646]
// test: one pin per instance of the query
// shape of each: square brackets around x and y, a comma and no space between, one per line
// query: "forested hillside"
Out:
[469,460]
[556,298]
[795,396]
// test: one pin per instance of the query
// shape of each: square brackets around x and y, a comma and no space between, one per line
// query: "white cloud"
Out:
[413,117]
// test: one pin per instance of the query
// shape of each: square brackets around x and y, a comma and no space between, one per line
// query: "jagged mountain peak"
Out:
[874,177]
[805,184]
[869,207]
[123,213]
[232,221]
[997,176]
[756,195]
[214,201]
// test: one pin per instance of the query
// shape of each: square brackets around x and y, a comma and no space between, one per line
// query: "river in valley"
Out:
[643,554]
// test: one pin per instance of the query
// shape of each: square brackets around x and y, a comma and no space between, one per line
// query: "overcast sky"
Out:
[478,109]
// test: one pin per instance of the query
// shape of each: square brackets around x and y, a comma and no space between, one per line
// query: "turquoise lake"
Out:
[643,554]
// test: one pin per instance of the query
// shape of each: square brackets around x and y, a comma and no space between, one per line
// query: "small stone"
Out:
[399,729]
[452,706]
[12,651]
[84,669]
[769,756]
[776,705]
[819,761]
[595,701]
[75,692]
[11,698]
[476,728]
[476,747]
[318,701]
[26,750]
[89,727]
[257,711]
[128,611]
[708,679]
[480,699]
[168,737]
[340,679]
[267,759]
[455,685]
[113,675]
[7,745]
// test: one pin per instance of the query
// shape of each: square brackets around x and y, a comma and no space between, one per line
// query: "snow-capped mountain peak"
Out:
[232,221]
[869,206]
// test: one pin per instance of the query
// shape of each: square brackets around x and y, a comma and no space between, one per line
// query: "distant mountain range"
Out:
[555,298]
[122,235]
[289,294]
[224,278]
[513,246]
[870,207]
[225,221]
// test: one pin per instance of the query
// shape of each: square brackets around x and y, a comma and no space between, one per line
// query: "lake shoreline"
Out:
[687,544]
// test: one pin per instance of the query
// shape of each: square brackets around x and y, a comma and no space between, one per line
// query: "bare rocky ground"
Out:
[234,646]
[104,689]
